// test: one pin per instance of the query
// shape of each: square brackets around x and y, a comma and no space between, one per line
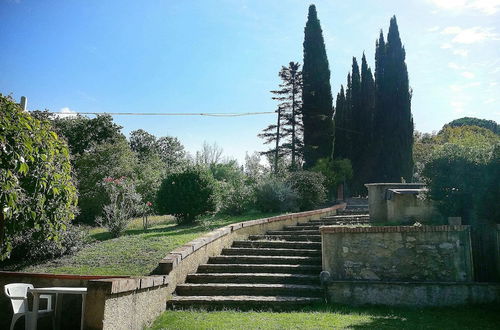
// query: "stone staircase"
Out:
[279,269]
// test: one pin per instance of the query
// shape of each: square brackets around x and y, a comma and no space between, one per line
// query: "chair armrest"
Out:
[49,300]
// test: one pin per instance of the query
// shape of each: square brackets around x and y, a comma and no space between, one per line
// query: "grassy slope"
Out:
[336,317]
[137,252]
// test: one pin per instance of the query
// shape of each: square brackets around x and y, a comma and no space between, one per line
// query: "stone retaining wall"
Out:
[412,293]
[185,260]
[398,253]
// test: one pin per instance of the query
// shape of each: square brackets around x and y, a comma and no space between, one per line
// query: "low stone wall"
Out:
[186,259]
[134,302]
[398,253]
[412,293]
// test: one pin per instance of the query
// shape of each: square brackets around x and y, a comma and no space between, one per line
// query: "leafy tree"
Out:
[37,194]
[470,121]
[187,195]
[83,133]
[167,148]
[336,172]
[317,110]
[340,122]
[143,143]
[111,159]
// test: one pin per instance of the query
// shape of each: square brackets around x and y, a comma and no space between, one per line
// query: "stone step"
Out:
[257,268]
[295,238]
[274,260]
[270,278]
[271,252]
[246,289]
[277,245]
[293,232]
[343,217]
[242,302]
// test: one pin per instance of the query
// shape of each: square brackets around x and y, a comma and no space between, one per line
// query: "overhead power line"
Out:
[208,114]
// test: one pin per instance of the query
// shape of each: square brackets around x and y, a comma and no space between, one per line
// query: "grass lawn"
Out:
[136,252]
[336,317]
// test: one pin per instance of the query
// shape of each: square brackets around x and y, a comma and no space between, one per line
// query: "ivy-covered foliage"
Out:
[187,195]
[36,189]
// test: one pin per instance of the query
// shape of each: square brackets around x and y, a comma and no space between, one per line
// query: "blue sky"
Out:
[224,56]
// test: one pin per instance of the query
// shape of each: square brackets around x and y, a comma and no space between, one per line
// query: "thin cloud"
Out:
[488,7]
[468,75]
[471,35]
[461,52]
[433,29]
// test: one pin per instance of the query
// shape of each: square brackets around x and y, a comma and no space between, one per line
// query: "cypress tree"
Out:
[339,150]
[393,119]
[317,95]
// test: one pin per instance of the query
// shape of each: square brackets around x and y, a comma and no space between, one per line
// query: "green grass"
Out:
[136,252]
[336,317]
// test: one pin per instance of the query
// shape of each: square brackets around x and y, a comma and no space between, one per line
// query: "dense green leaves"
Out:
[187,195]
[36,188]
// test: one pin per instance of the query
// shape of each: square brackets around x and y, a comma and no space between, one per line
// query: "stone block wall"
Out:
[398,253]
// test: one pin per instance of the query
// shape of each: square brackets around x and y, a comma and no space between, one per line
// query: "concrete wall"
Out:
[408,208]
[377,193]
[412,294]
[398,253]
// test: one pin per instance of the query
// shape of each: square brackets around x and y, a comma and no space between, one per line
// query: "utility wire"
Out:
[234,114]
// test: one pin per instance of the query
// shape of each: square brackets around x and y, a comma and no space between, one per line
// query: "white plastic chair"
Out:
[18,294]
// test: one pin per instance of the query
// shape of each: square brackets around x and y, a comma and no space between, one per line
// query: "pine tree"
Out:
[393,119]
[286,134]
[317,107]
[292,102]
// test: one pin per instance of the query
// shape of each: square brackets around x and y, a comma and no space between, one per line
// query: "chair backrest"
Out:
[18,294]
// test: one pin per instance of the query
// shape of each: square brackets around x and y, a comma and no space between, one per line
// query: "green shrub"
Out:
[335,172]
[310,188]
[235,197]
[463,181]
[29,248]
[124,203]
[36,189]
[274,195]
[187,195]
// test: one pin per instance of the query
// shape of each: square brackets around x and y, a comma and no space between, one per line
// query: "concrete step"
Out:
[293,232]
[277,245]
[270,278]
[246,289]
[242,302]
[256,268]
[295,238]
[271,252]
[274,260]
[343,217]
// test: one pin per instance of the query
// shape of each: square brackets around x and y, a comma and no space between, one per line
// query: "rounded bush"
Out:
[310,189]
[187,195]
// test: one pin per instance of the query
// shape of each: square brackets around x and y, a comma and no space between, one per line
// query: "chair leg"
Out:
[14,320]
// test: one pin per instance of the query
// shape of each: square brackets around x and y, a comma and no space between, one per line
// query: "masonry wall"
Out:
[398,253]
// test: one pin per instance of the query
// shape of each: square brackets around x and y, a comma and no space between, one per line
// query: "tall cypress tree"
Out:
[317,94]
[339,149]
[393,119]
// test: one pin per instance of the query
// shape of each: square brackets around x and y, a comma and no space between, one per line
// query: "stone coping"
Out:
[120,285]
[392,229]
[176,256]
[395,184]
[58,276]
[333,282]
